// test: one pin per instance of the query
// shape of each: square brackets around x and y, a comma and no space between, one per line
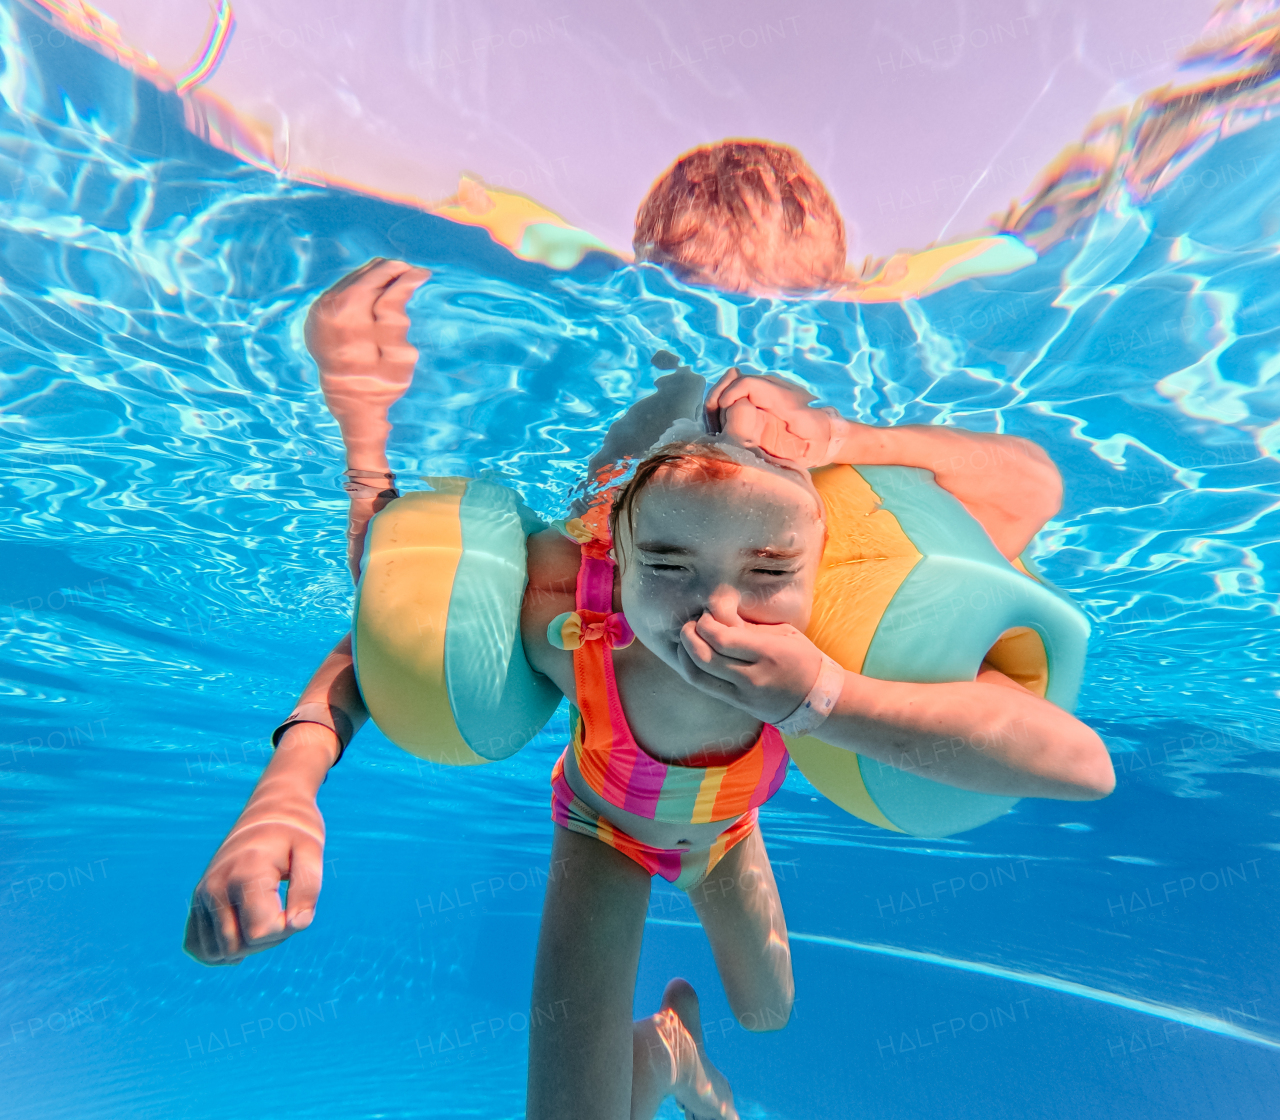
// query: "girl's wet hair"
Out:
[696,462]
[692,462]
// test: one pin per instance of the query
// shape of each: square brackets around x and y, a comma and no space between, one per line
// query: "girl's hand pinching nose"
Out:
[765,670]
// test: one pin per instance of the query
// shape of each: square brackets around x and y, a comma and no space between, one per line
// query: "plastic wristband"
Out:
[835,444]
[819,703]
[334,719]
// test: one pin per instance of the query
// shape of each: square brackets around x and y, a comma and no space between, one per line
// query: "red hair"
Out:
[694,462]
[703,214]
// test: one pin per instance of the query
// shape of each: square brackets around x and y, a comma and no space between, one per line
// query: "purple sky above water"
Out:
[923,117]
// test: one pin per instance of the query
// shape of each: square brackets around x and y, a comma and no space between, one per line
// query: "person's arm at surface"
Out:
[235,909]
[1009,484]
[676,395]
[357,332]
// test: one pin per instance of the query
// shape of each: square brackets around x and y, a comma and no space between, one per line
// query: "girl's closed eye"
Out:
[776,572]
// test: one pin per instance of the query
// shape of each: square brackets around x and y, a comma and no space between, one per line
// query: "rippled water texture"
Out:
[173,567]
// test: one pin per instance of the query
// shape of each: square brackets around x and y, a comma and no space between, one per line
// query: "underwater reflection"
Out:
[168,451]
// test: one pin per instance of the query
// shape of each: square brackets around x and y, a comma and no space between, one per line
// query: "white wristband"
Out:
[835,443]
[822,698]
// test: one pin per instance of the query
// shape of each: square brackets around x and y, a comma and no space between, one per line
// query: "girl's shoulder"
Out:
[553,582]
[553,562]
[551,590]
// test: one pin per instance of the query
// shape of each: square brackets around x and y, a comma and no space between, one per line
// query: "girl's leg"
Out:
[584,981]
[741,912]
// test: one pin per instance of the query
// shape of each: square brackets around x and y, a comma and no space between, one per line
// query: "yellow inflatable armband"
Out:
[911,588]
[436,633]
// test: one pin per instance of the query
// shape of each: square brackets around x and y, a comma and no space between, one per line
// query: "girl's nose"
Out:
[722,601]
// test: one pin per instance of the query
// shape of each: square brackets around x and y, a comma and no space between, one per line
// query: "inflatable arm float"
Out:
[910,588]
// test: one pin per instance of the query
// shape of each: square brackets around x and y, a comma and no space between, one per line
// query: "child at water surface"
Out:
[709,561]
[738,216]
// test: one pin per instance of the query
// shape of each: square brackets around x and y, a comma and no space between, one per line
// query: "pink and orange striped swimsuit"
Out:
[622,773]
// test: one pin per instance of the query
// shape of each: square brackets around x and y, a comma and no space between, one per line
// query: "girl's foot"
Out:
[671,1060]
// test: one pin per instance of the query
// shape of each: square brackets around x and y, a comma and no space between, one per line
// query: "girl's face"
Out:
[745,547]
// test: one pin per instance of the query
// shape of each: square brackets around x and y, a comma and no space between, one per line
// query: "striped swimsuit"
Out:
[622,773]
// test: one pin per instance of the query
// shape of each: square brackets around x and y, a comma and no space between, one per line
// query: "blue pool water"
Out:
[172,568]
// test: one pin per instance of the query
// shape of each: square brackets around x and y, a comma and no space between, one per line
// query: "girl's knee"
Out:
[769,1014]
[764,1019]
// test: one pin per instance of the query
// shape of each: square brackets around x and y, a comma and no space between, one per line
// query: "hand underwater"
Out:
[235,908]
[770,414]
[765,670]
[357,333]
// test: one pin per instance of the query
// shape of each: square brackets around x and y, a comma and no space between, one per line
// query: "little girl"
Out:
[694,583]
[694,592]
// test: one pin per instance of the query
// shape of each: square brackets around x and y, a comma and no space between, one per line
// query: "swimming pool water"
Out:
[173,567]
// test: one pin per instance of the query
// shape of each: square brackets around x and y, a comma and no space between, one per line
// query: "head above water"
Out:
[744,216]
[701,530]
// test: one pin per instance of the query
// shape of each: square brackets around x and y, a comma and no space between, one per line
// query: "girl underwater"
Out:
[694,584]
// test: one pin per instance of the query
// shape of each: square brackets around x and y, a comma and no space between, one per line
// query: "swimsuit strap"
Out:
[605,749]
[595,584]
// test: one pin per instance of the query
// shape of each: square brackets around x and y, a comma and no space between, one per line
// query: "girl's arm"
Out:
[553,577]
[1008,484]
[357,333]
[279,837]
[989,735]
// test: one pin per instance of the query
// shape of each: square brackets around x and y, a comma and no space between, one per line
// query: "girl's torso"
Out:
[670,719]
